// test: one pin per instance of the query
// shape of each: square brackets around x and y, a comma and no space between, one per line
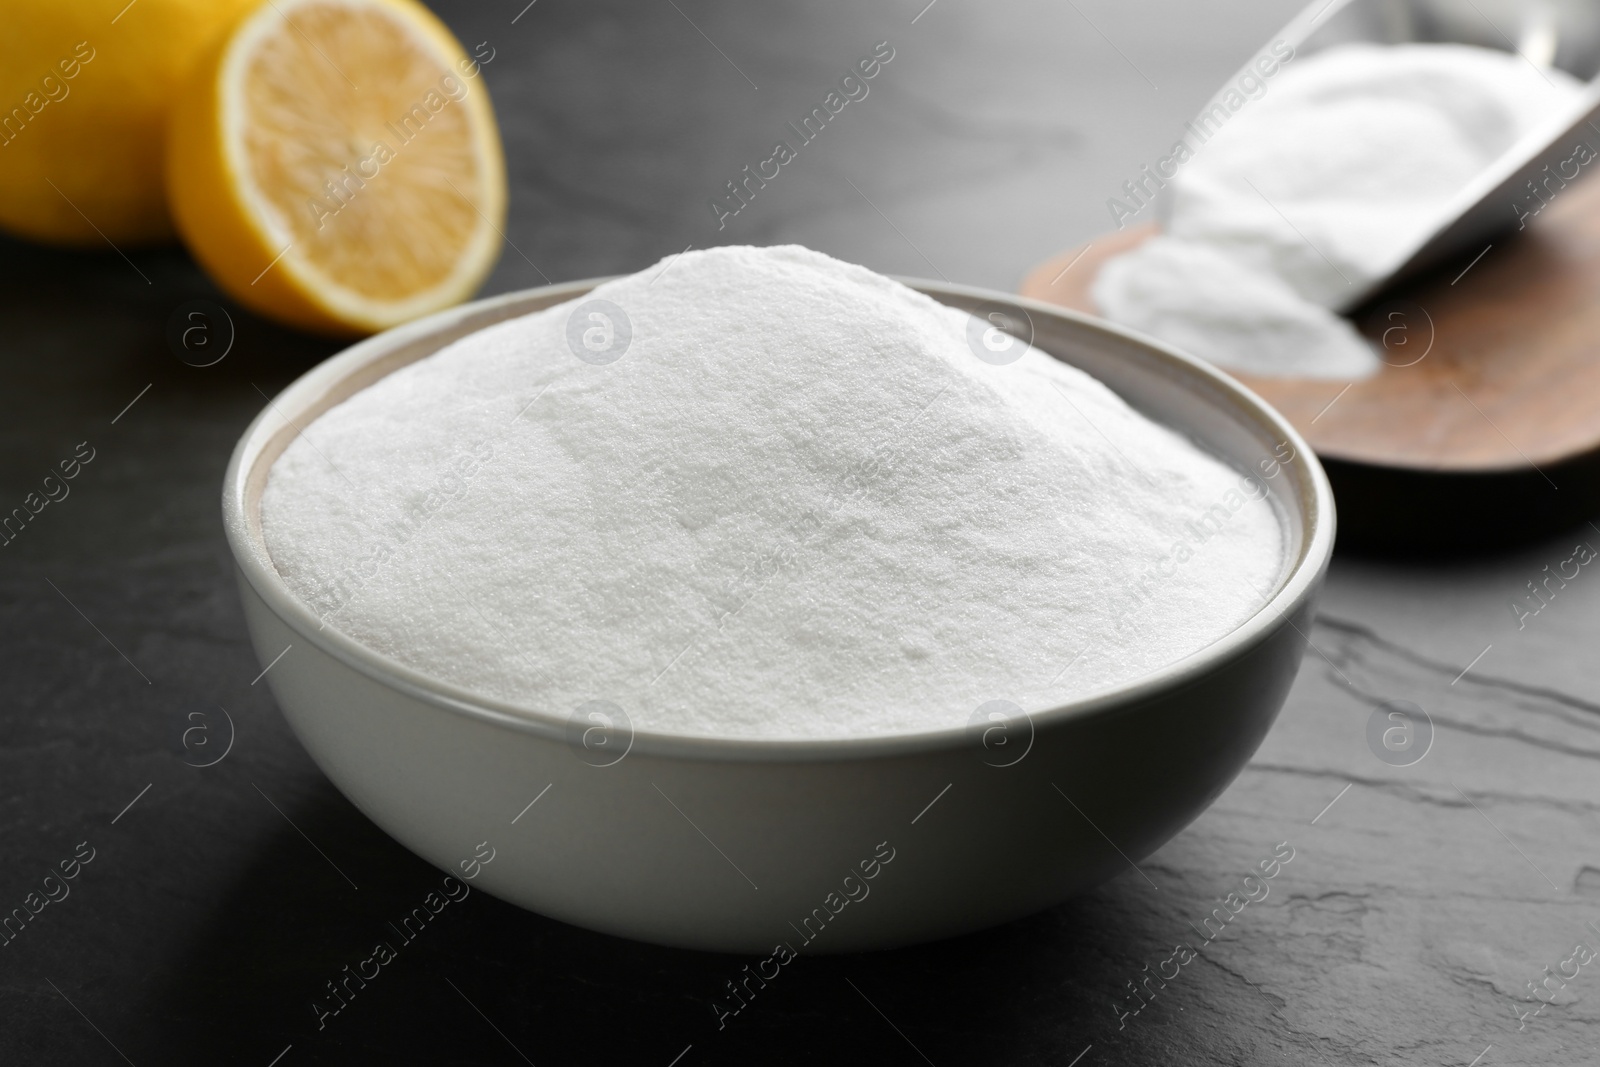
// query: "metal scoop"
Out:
[1558,34]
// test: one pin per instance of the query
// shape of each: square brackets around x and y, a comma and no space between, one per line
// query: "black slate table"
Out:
[1423,905]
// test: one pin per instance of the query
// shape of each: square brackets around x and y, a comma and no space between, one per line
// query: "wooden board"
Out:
[1510,383]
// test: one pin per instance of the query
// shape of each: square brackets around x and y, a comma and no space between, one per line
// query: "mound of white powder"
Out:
[1329,181]
[797,504]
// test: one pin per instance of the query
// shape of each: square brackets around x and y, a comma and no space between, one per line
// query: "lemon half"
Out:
[335,164]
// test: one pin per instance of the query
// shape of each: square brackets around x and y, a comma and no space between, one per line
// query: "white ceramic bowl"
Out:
[738,845]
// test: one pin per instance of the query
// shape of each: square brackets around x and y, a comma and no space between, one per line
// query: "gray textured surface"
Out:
[1402,932]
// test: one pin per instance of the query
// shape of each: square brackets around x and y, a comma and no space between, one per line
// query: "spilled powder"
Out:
[1315,190]
[798,505]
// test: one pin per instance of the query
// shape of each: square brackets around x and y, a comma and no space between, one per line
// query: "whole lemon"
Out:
[85,87]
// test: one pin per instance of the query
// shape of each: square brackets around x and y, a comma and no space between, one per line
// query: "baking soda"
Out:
[1325,184]
[761,492]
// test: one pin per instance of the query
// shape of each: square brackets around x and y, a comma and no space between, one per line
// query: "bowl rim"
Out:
[1293,590]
